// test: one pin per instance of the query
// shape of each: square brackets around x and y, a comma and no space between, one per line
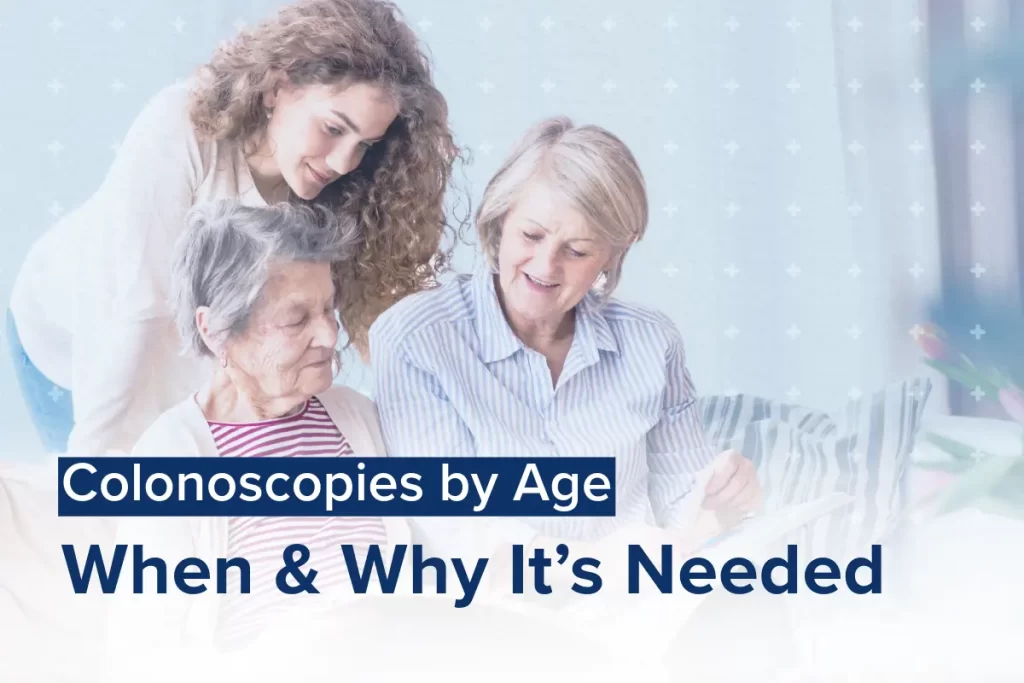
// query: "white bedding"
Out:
[47,632]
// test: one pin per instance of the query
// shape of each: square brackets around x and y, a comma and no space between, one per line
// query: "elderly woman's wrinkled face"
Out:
[548,258]
[289,344]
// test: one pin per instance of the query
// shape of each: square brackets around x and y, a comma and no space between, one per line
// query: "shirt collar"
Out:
[590,317]
[498,341]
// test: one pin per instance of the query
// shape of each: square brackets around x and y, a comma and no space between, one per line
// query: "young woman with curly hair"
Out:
[332,102]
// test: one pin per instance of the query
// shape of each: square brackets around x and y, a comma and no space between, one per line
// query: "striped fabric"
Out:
[452,379]
[261,540]
[802,454]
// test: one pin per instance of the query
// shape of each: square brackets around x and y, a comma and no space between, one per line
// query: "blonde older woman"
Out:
[532,357]
[252,290]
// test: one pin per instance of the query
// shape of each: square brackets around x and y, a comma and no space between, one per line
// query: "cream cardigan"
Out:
[174,622]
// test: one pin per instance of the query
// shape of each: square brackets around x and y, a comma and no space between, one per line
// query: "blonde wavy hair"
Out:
[400,186]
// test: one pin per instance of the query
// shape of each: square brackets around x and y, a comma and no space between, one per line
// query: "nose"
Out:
[325,334]
[344,159]
[549,257]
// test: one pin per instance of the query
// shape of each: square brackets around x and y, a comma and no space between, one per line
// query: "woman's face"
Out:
[319,133]
[287,349]
[548,258]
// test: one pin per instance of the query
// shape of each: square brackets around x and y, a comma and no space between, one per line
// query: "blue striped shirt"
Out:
[452,379]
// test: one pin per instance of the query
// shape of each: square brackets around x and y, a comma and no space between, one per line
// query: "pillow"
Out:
[802,454]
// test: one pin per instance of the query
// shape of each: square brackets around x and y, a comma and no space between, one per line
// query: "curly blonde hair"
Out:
[399,188]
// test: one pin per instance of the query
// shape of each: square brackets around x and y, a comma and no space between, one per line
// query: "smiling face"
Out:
[548,258]
[287,349]
[319,133]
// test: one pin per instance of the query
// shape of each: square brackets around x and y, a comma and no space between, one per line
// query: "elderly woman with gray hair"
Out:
[531,357]
[253,290]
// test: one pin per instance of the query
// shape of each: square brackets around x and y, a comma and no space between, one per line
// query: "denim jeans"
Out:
[48,404]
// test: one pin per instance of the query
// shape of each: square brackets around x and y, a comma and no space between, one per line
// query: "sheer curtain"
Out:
[978,111]
[805,244]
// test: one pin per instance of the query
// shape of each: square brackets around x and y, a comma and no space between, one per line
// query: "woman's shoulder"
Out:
[339,395]
[355,415]
[170,106]
[165,124]
[441,304]
[345,404]
[619,312]
[162,141]
[175,95]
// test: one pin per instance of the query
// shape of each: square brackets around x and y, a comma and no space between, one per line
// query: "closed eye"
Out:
[576,254]
[532,236]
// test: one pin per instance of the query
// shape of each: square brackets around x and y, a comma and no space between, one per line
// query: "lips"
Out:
[321,178]
[540,283]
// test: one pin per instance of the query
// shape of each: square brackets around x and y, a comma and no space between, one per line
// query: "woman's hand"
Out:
[733,493]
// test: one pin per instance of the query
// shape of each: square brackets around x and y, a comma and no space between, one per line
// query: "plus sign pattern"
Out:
[786,146]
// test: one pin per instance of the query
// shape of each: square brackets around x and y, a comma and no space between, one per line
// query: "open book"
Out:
[757,534]
[650,619]
[531,628]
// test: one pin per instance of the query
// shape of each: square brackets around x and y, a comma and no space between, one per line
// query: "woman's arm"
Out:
[677,450]
[676,447]
[119,308]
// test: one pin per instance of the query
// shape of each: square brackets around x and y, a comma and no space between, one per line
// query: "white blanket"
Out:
[47,631]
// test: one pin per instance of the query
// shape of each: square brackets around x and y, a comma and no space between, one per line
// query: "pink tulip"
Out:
[930,342]
[1012,400]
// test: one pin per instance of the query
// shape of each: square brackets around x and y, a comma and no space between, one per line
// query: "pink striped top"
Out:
[262,540]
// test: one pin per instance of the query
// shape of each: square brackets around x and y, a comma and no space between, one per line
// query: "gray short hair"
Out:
[222,260]
[593,170]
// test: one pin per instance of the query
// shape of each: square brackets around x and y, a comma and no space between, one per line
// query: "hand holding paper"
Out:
[733,491]
[725,493]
